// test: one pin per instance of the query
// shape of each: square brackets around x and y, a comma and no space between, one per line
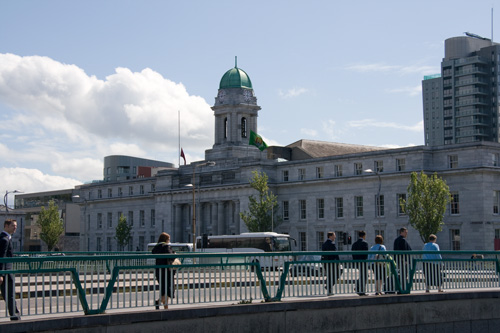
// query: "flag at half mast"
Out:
[257,141]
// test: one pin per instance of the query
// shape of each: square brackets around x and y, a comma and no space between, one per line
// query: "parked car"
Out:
[308,268]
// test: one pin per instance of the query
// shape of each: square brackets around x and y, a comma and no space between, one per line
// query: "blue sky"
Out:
[80,80]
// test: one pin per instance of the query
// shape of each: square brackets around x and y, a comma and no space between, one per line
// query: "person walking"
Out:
[432,269]
[402,261]
[361,245]
[379,268]
[333,270]
[7,283]
[164,276]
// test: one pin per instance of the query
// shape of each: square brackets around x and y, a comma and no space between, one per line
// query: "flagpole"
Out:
[179,133]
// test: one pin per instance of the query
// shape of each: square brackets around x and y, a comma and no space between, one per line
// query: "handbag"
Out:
[176,262]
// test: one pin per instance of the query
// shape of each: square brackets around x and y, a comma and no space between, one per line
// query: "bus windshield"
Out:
[281,244]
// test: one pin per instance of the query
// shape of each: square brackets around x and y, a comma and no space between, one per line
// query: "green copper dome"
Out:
[235,78]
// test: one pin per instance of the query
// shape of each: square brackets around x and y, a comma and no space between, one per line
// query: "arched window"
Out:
[243,127]
[225,128]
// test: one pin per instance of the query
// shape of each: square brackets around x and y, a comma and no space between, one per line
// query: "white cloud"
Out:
[418,127]
[137,106]
[290,93]
[56,119]
[32,180]
[309,132]
[328,128]
[402,70]
[412,91]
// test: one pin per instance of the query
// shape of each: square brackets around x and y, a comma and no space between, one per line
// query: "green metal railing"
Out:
[95,283]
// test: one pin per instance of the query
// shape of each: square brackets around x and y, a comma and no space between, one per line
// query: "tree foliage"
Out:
[262,210]
[123,232]
[426,203]
[51,225]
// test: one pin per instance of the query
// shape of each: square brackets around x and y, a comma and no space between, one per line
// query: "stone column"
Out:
[221,221]
[237,219]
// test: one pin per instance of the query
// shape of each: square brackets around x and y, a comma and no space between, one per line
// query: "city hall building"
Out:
[321,187]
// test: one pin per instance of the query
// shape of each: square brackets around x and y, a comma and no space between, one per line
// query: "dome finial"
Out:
[235,61]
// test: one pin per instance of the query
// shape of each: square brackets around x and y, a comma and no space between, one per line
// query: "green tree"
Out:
[51,225]
[123,231]
[261,215]
[426,203]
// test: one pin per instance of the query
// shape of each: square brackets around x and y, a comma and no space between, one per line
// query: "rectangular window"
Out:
[99,194]
[110,220]
[400,164]
[338,170]
[340,240]
[455,239]
[453,161]
[302,174]
[142,221]
[358,168]
[401,197]
[379,166]
[497,233]
[285,175]
[109,246]
[130,217]
[153,217]
[99,220]
[130,190]
[303,211]
[118,217]
[319,172]
[120,193]
[98,244]
[359,206]
[303,241]
[496,159]
[153,188]
[339,208]
[321,208]
[110,193]
[496,201]
[454,204]
[320,238]
[380,205]
[286,208]
[141,189]
[380,232]
[141,243]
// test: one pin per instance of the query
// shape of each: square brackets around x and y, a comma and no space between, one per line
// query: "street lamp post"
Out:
[377,201]
[5,199]
[194,198]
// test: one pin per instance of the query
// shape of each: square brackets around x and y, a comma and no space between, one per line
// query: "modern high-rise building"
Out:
[461,104]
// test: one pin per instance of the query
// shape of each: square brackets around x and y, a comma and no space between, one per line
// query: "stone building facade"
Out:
[321,187]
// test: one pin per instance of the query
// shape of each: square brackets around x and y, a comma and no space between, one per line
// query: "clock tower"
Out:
[235,112]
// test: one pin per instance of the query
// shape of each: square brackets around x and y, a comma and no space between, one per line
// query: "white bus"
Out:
[250,242]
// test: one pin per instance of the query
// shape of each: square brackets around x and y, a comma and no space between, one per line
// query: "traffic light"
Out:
[344,238]
[204,241]
[349,240]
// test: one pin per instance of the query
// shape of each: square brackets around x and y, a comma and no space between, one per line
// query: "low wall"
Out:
[447,312]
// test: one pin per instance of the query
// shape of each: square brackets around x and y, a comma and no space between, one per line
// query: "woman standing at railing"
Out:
[164,276]
[432,270]
[379,268]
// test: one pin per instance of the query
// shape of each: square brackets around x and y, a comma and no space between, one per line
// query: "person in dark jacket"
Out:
[164,276]
[403,261]
[333,270]
[7,283]
[361,245]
